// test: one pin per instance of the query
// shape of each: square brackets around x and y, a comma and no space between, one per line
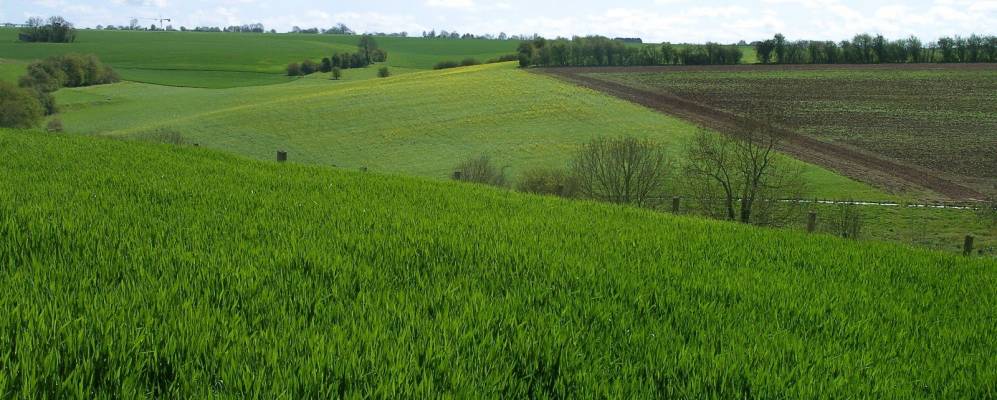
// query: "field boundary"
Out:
[842,159]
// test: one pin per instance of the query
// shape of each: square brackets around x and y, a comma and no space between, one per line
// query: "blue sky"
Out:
[655,20]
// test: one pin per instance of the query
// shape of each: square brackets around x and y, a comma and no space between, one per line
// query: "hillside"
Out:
[416,124]
[223,60]
[135,269]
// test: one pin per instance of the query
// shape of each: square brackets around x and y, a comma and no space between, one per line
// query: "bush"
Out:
[309,67]
[846,221]
[46,100]
[480,170]
[294,69]
[467,62]
[19,108]
[383,72]
[505,58]
[622,170]
[326,65]
[987,211]
[70,70]
[337,73]
[548,181]
[55,125]
[446,65]
[378,55]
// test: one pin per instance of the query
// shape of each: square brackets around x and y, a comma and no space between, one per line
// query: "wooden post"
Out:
[676,203]
[456,175]
[812,222]
[967,247]
[281,156]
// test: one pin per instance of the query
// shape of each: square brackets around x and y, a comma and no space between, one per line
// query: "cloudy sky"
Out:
[653,20]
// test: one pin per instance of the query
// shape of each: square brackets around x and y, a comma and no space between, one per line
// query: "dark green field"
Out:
[222,60]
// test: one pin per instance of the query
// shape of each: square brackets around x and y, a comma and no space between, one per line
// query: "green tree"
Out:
[337,73]
[367,46]
[19,108]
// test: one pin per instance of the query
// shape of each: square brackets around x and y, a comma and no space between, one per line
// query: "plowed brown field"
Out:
[931,126]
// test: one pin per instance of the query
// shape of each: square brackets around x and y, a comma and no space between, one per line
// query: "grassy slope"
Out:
[221,60]
[10,70]
[416,124]
[143,269]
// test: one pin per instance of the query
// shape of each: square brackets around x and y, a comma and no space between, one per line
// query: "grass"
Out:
[223,60]
[421,123]
[138,270]
[11,70]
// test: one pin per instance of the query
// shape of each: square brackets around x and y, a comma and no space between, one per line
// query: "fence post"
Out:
[812,222]
[456,175]
[281,156]
[967,247]
[676,204]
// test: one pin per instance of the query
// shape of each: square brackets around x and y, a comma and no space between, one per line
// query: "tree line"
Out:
[602,51]
[368,52]
[736,177]
[868,49]
[22,106]
[55,30]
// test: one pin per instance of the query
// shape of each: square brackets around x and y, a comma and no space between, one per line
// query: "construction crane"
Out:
[160,19]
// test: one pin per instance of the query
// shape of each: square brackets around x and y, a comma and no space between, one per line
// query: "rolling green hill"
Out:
[223,60]
[134,270]
[417,124]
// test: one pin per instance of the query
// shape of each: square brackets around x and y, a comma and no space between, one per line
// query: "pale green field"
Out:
[421,123]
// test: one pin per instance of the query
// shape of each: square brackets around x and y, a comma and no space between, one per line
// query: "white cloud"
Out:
[461,4]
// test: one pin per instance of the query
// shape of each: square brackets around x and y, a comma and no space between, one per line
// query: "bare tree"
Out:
[622,170]
[987,211]
[480,170]
[741,177]
[846,220]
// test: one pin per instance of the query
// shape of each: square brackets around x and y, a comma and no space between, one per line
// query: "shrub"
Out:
[337,73]
[846,221]
[70,70]
[446,65]
[505,58]
[987,211]
[309,67]
[383,72]
[55,125]
[378,55]
[293,69]
[19,108]
[480,170]
[326,65]
[623,170]
[548,181]
[46,100]
[467,62]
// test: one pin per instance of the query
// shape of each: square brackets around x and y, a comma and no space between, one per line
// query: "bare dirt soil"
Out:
[719,109]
